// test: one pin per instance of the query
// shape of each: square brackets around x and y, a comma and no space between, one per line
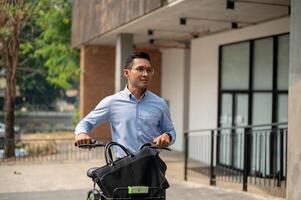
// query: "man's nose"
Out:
[145,73]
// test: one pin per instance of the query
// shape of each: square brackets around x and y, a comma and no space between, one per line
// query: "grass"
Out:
[47,135]
[43,144]
[48,148]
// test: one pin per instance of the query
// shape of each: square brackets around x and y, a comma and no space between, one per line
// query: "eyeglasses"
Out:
[149,70]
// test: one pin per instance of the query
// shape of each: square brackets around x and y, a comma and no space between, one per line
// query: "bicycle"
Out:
[131,192]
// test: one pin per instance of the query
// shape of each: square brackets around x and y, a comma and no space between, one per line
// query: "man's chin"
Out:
[143,86]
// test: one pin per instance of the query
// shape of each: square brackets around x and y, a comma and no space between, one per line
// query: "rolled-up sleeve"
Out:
[100,114]
[166,124]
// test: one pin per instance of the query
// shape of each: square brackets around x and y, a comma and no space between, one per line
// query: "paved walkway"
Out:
[68,181]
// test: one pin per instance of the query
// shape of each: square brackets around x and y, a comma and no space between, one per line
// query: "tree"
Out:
[13,15]
[51,49]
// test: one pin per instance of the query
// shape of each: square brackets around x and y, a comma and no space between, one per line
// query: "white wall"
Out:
[204,69]
[172,89]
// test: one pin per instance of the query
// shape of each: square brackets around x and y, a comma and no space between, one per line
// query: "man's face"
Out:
[140,73]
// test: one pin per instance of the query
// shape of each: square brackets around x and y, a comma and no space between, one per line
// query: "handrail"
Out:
[271,143]
[234,127]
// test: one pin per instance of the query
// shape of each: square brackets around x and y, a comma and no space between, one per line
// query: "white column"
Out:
[186,89]
[124,47]
[294,119]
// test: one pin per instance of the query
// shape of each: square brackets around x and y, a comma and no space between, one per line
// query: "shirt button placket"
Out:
[138,116]
[138,119]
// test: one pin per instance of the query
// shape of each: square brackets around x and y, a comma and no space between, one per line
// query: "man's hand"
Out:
[162,141]
[82,138]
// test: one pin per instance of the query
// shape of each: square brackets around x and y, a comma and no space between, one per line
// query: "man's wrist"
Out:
[80,133]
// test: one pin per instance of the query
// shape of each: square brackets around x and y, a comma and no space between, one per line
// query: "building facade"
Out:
[218,63]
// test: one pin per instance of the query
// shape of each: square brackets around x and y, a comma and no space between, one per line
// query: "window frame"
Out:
[250,91]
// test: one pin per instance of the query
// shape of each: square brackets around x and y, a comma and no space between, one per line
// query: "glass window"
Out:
[235,66]
[283,62]
[234,77]
[241,118]
[262,108]
[282,108]
[263,64]
[226,114]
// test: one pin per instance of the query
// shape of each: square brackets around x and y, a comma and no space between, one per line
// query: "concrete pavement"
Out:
[176,192]
[68,180]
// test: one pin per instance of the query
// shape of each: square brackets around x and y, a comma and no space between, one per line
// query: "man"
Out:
[136,115]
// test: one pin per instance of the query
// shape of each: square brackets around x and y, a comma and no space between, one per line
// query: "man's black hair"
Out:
[130,59]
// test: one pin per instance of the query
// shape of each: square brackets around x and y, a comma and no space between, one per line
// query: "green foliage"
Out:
[14,14]
[76,116]
[32,75]
[5,32]
[20,145]
[53,45]
[47,63]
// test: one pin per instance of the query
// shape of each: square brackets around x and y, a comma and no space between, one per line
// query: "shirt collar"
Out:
[129,94]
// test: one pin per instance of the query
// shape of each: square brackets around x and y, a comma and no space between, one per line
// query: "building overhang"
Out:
[179,21]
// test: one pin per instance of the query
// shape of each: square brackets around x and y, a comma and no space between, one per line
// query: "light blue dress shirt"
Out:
[133,122]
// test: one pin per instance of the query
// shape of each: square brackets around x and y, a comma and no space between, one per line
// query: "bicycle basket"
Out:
[143,168]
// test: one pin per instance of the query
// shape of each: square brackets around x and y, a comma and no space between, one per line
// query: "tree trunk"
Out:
[11,17]
[11,61]
[9,116]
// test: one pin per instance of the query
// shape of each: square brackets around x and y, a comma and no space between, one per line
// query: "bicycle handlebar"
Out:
[153,146]
[92,144]
[95,143]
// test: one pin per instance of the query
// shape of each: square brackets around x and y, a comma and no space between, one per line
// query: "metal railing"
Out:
[44,150]
[248,155]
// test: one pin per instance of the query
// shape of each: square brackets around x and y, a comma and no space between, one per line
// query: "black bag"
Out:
[143,168]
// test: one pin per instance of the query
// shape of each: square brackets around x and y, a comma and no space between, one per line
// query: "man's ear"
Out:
[126,72]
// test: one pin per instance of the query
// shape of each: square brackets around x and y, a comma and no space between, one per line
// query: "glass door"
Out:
[226,121]
[241,119]
[234,112]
